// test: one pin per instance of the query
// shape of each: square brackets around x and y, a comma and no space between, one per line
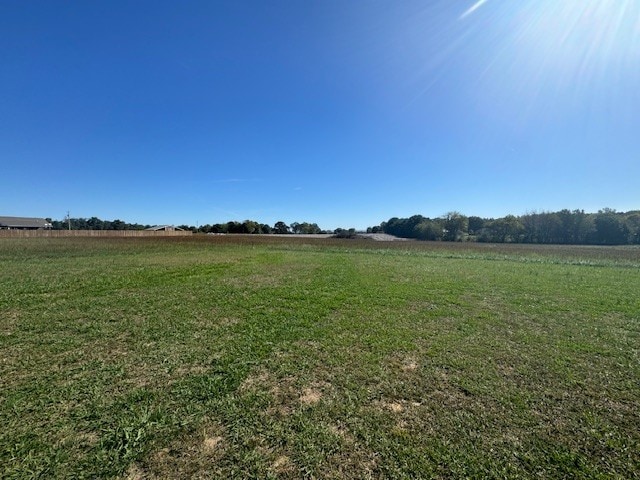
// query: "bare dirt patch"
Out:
[381,237]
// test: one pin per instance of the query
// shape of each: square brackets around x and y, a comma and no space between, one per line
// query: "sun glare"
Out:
[556,51]
[473,8]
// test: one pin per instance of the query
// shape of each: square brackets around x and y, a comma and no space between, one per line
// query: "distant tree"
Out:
[249,226]
[314,228]
[402,227]
[79,224]
[507,230]
[549,228]
[475,225]
[632,220]
[582,227]
[392,226]
[574,227]
[235,227]
[118,225]
[280,228]
[455,226]
[305,227]
[609,228]
[428,230]
[94,223]
[344,233]
[218,228]
[266,229]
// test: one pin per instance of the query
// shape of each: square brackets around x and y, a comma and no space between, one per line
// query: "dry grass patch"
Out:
[10,318]
[310,396]
[134,472]
[257,381]
[410,366]
[195,455]
[282,465]
[211,445]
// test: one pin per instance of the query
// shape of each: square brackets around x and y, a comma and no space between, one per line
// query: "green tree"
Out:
[280,228]
[118,225]
[265,229]
[632,220]
[475,225]
[549,228]
[344,233]
[249,226]
[507,230]
[307,228]
[455,226]
[428,230]
[609,228]
[235,227]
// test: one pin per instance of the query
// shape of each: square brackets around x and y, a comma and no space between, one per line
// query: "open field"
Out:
[251,357]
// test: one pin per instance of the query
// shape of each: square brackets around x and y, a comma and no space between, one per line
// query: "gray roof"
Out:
[23,222]
[163,227]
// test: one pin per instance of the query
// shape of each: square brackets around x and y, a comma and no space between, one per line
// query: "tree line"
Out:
[94,223]
[251,226]
[606,227]
[248,226]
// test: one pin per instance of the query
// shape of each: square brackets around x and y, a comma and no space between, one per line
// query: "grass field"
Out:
[251,357]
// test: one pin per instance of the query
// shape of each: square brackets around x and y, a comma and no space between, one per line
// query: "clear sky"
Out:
[344,113]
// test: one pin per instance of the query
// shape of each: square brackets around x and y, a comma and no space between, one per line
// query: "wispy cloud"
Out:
[473,8]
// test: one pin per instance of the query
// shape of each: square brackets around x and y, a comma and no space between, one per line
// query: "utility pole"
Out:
[68,219]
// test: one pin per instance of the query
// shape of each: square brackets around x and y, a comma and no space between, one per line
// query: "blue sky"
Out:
[344,113]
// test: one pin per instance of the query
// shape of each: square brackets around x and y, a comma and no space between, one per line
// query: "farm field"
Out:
[266,357]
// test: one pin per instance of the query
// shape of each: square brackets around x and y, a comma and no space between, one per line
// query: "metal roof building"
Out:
[23,223]
[164,228]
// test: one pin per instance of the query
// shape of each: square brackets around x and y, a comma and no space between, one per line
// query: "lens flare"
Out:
[473,8]
[550,55]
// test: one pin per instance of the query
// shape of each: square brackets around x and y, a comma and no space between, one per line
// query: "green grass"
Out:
[251,357]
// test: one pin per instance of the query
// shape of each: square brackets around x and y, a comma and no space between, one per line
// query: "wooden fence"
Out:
[91,233]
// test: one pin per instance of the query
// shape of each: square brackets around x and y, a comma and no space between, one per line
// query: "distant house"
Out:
[23,223]
[164,228]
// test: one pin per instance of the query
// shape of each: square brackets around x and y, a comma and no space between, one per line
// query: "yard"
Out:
[267,357]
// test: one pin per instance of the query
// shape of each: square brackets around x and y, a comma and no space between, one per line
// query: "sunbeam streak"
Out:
[473,8]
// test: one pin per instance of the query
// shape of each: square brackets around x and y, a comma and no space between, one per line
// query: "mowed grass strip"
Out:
[237,357]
